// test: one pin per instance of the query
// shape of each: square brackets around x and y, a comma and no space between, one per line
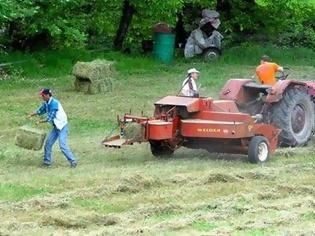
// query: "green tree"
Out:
[125,23]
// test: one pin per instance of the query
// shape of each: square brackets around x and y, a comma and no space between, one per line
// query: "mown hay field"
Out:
[127,190]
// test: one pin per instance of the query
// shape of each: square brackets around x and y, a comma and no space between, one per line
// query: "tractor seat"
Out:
[258,87]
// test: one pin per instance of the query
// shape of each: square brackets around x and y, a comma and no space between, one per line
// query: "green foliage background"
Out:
[82,23]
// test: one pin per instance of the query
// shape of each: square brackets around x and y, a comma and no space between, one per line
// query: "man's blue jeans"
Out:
[52,137]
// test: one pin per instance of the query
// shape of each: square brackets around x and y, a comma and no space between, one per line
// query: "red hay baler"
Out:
[200,123]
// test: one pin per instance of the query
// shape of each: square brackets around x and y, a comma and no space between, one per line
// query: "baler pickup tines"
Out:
[116,142]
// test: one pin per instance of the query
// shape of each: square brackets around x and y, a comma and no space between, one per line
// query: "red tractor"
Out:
[248,119]
[288,105]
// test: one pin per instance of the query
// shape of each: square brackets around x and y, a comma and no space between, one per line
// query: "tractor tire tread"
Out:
[280,118]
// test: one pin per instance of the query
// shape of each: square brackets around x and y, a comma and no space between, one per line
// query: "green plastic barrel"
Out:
[163,48]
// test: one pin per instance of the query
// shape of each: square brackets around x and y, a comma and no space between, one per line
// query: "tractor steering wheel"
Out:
[283,75]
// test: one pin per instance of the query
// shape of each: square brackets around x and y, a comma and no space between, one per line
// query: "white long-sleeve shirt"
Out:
[187,90]
[55,113]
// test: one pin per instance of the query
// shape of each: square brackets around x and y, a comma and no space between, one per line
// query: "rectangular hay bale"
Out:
[100,86]
[30,138]
[94,70]
[82,85]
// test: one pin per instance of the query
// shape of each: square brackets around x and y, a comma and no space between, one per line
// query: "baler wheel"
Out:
[159,149]
[258,150]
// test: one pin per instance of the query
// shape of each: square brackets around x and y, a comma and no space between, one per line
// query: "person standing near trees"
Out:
[58,118]
[189,86]
[266,71]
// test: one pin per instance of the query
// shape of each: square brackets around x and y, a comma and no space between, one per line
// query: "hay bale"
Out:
[100,86]
[95,70]
[133,131]
[82,85]
[94,87]
[30,138]
[93,77]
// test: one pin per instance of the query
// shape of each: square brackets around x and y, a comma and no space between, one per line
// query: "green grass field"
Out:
[127,190]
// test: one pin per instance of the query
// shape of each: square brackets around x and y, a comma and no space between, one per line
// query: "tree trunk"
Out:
[128,11]
[181,34]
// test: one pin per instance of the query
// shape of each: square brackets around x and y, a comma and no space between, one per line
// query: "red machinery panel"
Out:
[192,104]
[279,88]
[215,129]
[233,90]
[311,87]
[224,106]
[160,130]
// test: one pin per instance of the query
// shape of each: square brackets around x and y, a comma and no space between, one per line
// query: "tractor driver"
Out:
[266,71]
[189,87]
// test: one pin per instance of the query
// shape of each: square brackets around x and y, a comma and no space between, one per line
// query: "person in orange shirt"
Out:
[266,71]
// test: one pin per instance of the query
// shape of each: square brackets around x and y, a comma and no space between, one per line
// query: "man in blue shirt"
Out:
[58,118]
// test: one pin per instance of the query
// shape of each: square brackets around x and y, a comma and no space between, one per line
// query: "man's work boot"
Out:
[73,165]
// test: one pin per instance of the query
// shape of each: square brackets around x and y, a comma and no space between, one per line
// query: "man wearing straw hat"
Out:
[58,118]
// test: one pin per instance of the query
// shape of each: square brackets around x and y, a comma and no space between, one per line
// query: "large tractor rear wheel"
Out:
[159,149]
[294,114]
